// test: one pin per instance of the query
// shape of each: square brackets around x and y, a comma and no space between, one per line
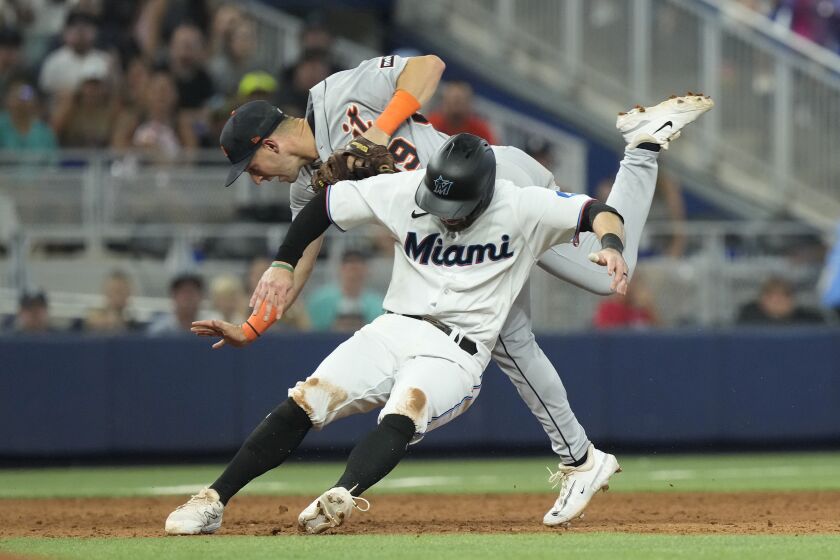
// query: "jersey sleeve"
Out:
[548,218]
[379,199]
[372,82]
[300,193]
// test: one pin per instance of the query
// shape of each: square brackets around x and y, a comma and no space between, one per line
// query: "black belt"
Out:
[465,344]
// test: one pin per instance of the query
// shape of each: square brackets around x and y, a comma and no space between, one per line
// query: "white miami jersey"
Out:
[347,103]
[469,279]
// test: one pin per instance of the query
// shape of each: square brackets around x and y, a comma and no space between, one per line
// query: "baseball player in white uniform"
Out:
[379,100]
[465,243]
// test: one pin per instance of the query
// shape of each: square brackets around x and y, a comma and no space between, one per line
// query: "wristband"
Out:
[401,106]
[284,266]
[612,241]
[254,326]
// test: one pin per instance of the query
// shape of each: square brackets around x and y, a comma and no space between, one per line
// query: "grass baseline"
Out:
[595,546]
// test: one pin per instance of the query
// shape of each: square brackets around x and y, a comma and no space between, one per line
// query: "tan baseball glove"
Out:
[368,159]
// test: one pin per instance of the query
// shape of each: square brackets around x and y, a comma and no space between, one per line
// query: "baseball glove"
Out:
[370,159]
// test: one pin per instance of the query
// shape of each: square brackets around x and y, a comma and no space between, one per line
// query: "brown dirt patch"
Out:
[674,513]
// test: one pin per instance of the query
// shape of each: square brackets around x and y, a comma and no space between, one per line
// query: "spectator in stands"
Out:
[455,113]
[85,118]
[313,67]
[21,127]
[236,58]
[830,280]
[347,305]
[186,63]
[776,305]
[816,20]
[11,65]
[158,126]
[541,150]
[186,292]
[314,37]
[635,310]
[132,91]
[64,68]
[227,16]
[228,299]
[255,85]
[33,315]
[115,315]
[294,318]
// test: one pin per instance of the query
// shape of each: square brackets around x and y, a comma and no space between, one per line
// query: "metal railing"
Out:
[774,136]
[724,266]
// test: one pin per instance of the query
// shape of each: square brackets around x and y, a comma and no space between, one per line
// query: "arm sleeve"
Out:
[312,221]
[549,218]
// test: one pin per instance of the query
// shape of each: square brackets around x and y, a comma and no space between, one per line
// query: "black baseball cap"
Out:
[243,133]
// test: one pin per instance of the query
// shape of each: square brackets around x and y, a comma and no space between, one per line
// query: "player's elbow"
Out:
[434,66]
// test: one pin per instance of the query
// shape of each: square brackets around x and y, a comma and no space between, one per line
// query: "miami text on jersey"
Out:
[431,248]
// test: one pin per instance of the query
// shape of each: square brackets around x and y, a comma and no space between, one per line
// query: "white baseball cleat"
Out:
[662,123]
[202,514]
[331,509]
[579,484]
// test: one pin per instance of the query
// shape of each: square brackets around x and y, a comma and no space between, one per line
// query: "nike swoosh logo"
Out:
[667,123]
[415,214]
[582,490]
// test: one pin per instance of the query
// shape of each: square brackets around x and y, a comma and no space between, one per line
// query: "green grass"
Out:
[716,473]
[487,547]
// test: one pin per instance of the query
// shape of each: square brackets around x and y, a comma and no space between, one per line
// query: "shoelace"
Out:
[357,506]
[354,498]
[200,497]
[559,478]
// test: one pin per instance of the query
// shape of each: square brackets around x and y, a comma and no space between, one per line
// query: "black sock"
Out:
[649,146]
[377,454]
[267,447]
[579,462]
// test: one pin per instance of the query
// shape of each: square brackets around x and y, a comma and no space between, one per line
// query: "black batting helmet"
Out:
[460,179]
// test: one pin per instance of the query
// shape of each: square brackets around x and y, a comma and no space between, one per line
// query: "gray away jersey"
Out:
[347,103]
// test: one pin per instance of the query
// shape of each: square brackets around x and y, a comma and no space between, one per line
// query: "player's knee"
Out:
[292,414]
[412,404]
[317,398]
[401,424]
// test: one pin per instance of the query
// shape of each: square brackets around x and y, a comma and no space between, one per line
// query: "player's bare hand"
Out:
[616,267]
[274,289]
[229,333]
[376,135]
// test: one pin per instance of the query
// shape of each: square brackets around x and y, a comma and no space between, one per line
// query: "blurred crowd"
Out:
[815,20]
[343,305]
[158,75]
[163,75]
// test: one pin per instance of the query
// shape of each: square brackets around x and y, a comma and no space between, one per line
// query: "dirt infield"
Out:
[663,513]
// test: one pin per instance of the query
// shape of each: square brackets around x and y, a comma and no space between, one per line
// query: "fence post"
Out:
[573,40]
[640,31]
[782,131]
[504,23]
[710,65]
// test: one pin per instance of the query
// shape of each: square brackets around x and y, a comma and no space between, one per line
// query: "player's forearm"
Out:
[421,77]
[309,225]
[304,269]
[415,86]
[607,222]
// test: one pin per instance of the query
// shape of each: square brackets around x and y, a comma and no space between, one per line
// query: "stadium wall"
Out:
[77,397]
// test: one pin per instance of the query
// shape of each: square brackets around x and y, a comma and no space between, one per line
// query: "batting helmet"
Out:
[459,182]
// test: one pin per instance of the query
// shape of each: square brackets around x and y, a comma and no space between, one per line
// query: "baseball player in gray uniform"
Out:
[379,101]
[465,243]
